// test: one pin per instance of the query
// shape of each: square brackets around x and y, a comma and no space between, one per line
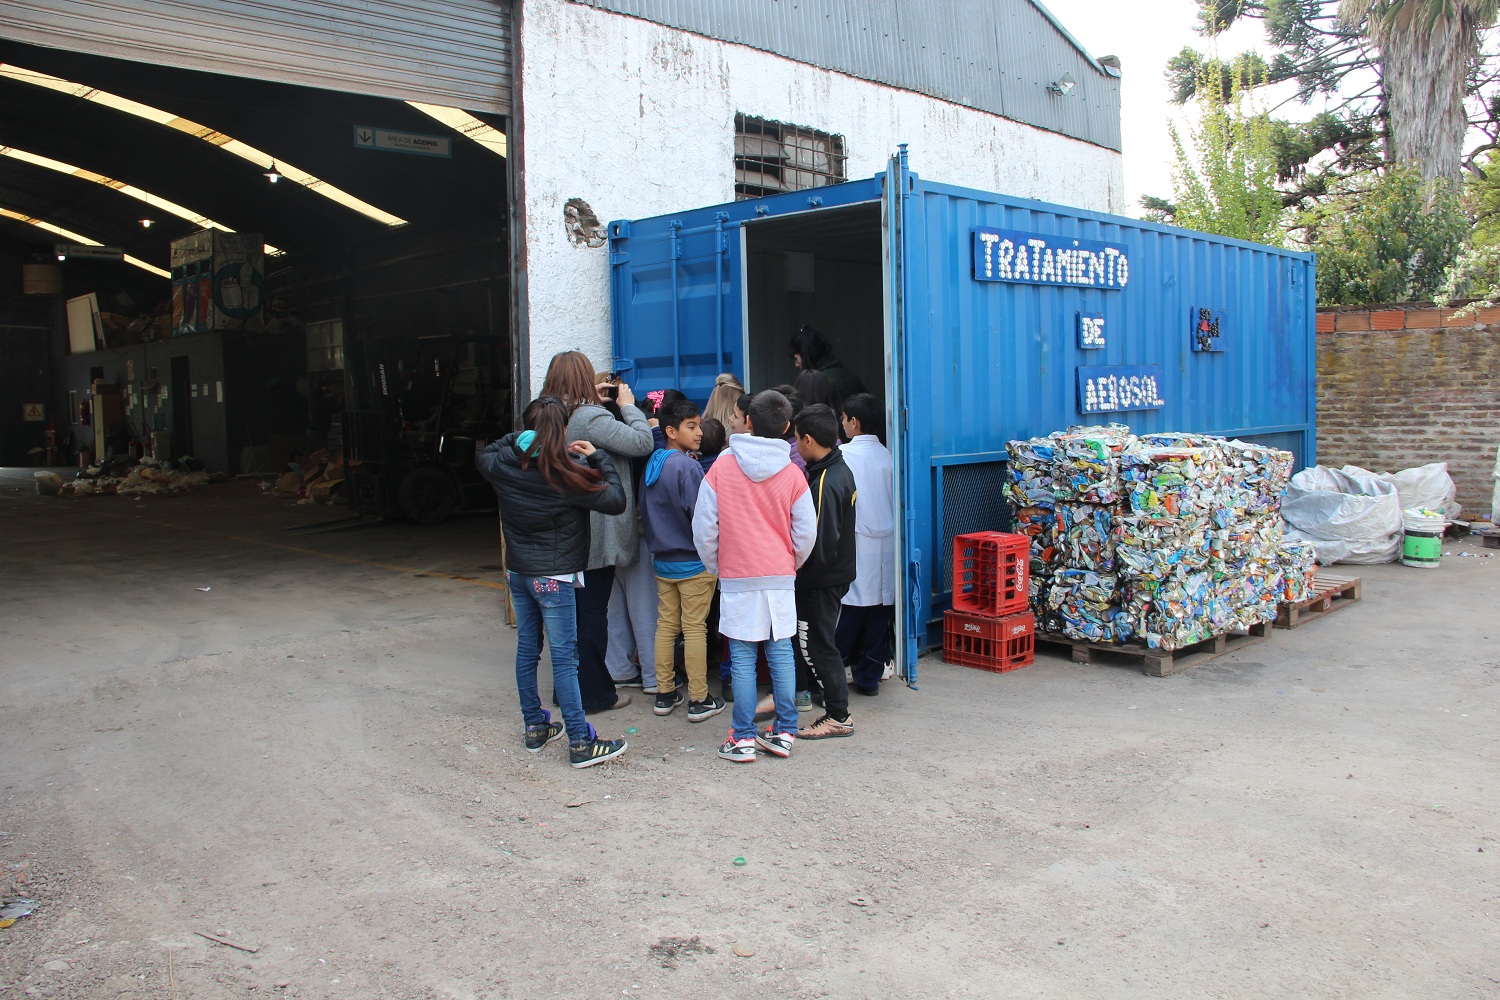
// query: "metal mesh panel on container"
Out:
[972,501]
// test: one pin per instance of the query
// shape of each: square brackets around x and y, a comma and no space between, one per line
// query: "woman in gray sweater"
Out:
[615,539]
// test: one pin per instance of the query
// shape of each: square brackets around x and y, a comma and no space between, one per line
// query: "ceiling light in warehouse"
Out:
[155,201]
[466,124]
[229,144]
[56,230]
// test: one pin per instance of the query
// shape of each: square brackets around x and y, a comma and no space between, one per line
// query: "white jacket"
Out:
[874,522]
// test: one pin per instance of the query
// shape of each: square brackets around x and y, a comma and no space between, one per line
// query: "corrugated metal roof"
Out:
[992,55]
[454,52]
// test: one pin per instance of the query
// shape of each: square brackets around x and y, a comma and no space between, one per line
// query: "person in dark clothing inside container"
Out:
[810,351]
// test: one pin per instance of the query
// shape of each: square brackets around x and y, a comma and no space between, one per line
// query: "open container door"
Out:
[676,299]
[911,612]
[678,285]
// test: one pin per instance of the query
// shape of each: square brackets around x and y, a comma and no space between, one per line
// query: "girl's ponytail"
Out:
[546,420]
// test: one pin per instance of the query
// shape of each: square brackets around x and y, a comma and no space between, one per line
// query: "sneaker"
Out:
[804,701]
[632,682]
[779,744]
[827,727]
[542,733]
[868,692]
[621,700]
[668,700]
[766,707]
[587,753]
[705,709]
[739,751]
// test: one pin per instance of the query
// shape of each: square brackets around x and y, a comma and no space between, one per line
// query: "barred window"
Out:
[771,157]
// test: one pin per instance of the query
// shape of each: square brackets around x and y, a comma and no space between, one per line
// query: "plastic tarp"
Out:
[1495,497]
[1427,486]
[1349,515]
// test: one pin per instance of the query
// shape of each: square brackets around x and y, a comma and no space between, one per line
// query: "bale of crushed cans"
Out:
[1298,568]
[1167,538]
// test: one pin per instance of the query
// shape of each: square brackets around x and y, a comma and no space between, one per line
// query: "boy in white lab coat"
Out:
[869,606]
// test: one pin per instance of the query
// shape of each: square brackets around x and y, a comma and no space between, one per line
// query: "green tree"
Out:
[1376,112]
[1386,237]
[1427,51]
[1227,184]
[1475,273]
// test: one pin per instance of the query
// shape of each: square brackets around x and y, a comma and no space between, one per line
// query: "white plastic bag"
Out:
[1348,516]
[1426,486]
[1495,498]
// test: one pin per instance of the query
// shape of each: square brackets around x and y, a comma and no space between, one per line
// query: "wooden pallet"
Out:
[1158,662]
[1329,594]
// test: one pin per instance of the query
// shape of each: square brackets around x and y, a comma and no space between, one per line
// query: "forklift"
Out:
[419,410]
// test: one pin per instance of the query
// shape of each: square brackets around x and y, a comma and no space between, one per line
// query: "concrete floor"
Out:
[319,758]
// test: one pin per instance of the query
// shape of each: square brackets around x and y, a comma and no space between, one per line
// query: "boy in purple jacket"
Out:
[684,587]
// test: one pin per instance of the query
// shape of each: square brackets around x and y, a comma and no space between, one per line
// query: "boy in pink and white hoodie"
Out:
[765,535]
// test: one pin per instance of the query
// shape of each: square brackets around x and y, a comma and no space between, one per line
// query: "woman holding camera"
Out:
[614,538]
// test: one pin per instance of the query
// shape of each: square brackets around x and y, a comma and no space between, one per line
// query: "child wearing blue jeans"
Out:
[756,552]
[546,488]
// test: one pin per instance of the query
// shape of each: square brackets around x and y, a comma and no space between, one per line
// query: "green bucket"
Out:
[1423,549]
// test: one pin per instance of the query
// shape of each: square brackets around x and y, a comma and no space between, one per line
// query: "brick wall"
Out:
[1401,386]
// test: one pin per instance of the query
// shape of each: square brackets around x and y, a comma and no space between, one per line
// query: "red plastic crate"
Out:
[991,572]
[995,644]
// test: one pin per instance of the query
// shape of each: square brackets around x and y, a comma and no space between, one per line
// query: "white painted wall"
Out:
[638,120]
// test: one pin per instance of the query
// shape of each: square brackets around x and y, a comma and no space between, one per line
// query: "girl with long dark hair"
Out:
[547,489]
[615,538]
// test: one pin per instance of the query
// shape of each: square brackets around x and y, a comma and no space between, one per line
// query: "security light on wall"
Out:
[273,175]
[1064,86]
[147,223]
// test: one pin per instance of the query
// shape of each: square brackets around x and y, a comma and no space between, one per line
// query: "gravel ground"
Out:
[319,759]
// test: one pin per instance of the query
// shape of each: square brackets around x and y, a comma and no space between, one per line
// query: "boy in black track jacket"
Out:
[825,577]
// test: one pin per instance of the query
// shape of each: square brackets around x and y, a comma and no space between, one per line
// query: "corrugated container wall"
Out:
[990,361]
[975,358]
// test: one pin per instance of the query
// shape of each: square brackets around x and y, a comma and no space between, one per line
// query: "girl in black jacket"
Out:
[545,495]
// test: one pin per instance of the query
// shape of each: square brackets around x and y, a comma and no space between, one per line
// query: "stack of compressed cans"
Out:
[1298,567]
[1168,538]
[1079,592]
[1033,504]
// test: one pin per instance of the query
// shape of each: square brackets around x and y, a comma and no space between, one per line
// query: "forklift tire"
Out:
[427,495]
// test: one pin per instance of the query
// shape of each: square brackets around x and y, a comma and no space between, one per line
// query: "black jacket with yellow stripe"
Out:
[832,561]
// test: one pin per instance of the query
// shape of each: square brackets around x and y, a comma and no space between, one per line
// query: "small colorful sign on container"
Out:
[1117,388]
[1090,331]
[1040,259]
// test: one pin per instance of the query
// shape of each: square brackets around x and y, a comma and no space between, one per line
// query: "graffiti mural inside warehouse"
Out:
[251,277]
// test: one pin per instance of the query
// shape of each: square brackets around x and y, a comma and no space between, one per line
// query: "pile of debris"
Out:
[318,478]
[127,476]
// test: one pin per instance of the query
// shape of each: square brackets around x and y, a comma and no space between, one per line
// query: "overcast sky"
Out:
[1144,34]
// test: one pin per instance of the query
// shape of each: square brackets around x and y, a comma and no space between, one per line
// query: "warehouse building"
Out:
[408,203]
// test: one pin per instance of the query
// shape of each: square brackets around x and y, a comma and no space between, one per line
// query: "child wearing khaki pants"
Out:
[685,588]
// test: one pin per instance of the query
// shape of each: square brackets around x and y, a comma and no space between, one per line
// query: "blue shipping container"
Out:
[978,318]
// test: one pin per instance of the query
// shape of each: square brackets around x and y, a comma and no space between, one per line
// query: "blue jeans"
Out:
[540,603]
[783,685]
